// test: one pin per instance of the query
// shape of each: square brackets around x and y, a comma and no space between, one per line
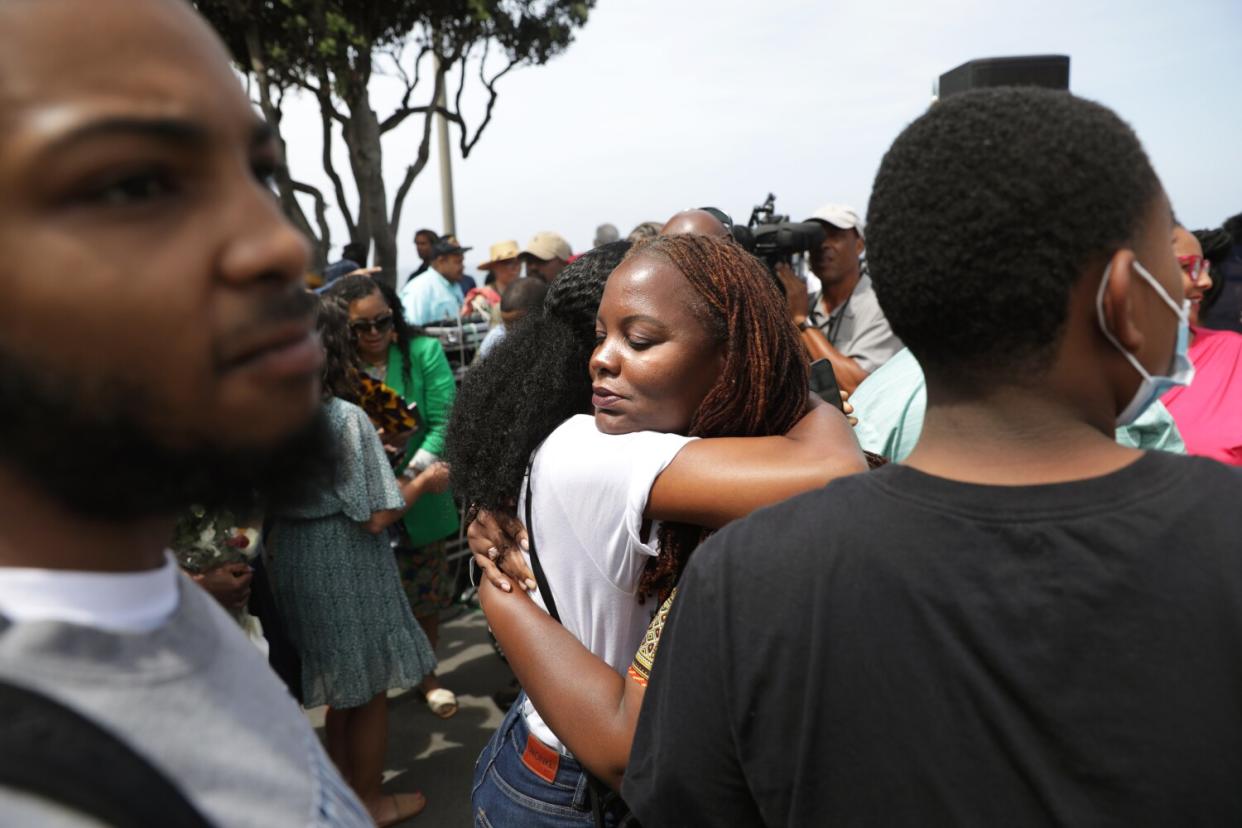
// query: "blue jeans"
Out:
[507,793]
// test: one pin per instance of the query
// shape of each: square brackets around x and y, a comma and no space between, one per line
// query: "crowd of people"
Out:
[981,580]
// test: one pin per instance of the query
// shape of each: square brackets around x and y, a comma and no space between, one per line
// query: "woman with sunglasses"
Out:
[413,365]
[1207,410]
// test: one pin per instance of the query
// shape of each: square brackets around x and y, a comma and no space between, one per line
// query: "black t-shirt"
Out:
[900,649]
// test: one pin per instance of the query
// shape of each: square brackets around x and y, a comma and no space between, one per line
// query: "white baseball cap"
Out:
[839,215]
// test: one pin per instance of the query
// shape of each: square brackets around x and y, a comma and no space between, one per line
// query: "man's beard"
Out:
[92,453]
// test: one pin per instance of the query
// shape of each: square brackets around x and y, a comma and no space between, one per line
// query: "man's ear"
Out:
[1118,306]
[860,243]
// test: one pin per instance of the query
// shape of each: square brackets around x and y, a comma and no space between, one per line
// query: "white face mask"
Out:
[1153,386]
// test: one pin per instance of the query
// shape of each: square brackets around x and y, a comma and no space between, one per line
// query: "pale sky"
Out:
[660,105]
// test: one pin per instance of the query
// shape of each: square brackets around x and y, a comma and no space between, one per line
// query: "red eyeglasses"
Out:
[1194,267]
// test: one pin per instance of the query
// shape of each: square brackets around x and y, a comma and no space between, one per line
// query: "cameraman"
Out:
[846,325]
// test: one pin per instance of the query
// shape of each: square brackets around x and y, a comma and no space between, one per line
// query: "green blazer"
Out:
[433,388]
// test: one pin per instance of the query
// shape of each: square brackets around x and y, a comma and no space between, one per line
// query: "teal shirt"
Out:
[432,387]
[891,402]
[429,297]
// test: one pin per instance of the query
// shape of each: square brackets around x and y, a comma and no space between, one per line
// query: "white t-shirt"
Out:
[589,491]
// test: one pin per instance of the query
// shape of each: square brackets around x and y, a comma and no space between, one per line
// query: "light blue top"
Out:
[493,338]
[891,402]
[429,297]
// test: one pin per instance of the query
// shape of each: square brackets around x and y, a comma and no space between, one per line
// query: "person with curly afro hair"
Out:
[1024,623]
[606,409]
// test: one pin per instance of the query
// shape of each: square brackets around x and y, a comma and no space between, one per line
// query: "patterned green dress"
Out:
[337,584]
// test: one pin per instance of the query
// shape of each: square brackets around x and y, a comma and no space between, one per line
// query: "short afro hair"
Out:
[985,213]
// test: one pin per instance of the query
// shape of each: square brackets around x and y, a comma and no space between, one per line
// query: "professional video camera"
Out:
[773,238]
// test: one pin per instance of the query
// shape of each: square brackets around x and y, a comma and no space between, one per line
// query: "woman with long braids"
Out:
[691,340]
[414,365]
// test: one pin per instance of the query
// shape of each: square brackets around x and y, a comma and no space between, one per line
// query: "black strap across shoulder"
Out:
[601,797]
[540,578]
[55,753]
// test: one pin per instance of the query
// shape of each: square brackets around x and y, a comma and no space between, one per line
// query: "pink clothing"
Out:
[1208,412]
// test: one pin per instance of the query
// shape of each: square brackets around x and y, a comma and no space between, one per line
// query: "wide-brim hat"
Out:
[501,252]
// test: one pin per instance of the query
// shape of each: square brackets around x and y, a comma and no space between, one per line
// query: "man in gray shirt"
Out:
[858,338]
[156,351]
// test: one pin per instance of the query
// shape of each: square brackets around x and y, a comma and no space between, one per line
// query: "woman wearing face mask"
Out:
[691,340]
[1208,412]
[413,365]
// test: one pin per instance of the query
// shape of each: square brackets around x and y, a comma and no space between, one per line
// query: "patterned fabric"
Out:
[204,540]
[385,407]
[336,584]
[425,577]
[644,659]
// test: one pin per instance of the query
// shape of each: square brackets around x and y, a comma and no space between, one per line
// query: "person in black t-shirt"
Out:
[1025,623]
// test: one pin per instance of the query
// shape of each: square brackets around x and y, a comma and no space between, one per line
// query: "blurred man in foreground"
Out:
[131,389]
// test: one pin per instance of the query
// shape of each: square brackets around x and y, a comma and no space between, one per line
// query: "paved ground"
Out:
[436,756]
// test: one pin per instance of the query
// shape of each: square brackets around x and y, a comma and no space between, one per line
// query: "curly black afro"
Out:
[985,213]
[533,381]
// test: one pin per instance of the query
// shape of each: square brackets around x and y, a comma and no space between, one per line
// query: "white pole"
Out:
[446,163]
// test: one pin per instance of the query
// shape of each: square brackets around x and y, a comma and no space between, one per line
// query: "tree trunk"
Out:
[362,137]
[321,244]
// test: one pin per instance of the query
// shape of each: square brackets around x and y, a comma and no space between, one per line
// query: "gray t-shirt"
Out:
[859,330]
[198,701]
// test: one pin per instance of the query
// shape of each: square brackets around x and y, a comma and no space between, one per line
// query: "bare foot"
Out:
[391,809]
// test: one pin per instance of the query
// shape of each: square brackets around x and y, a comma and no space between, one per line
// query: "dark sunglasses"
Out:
[379,325]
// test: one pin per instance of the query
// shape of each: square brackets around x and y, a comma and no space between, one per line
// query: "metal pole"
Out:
[446,162]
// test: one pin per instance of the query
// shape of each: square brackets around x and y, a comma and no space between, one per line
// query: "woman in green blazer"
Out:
[413,365]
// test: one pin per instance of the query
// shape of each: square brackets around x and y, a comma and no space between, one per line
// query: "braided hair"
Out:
[762,388]
[538,376]
[350,289]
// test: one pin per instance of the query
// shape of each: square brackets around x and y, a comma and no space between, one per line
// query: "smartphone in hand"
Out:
[824,383]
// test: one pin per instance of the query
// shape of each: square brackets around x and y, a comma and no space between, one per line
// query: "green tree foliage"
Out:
[333,48]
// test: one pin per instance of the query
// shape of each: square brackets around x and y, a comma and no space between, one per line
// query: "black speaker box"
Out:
[1051,71]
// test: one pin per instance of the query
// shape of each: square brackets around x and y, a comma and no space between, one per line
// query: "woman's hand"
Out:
[847,409]
[434,479]
[229,584]
[395,444]
[497,540]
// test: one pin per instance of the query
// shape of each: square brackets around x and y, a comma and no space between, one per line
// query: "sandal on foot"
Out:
[442,702]
[397,808]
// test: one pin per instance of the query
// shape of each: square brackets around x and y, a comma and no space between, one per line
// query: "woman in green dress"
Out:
[414,365]
[337,586]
